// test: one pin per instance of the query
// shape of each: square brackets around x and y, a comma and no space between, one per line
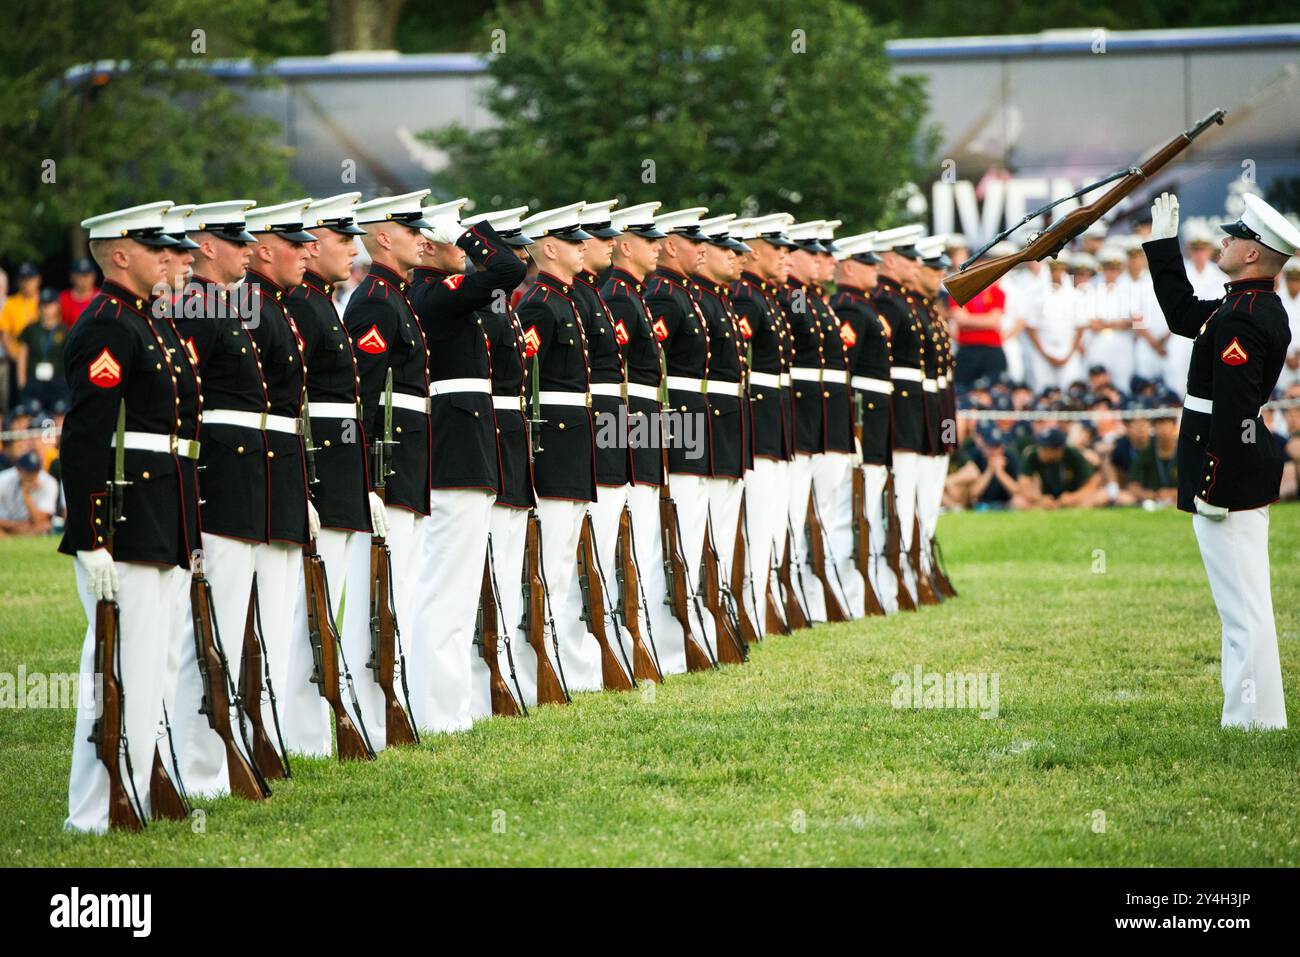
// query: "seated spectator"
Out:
[40,355]
[28,498]
[986,477]
[72,302]
[1291,449]
[1153,476]
[1056,475]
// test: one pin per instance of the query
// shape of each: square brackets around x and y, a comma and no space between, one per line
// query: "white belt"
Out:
[448,386]
[684,383]
[158,442]
[642,391]
[803,374]
[906,372]
[614,389]
[768,380]
[943,382]
[836,375]
[412,403]
[929,385]
[868,384]
[332,410]
[247,420]
[564,398]
[514,403]
[785,380]
[1194,403]
[283,423]
[724,388]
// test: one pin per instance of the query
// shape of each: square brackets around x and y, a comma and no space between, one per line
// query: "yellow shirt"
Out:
[18,313]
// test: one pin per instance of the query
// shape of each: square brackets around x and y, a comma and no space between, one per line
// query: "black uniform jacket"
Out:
[462,426]
[605,360]
[342,468]
[730,426]
[901,310]
[684,336]
[763,325]
[1225,457]
[798,301]
[554,345]
[838,398]
[385,335]
[114,354]
[233,474]
[866,341]
[643,358]
[285,374]
[932,363]
[506,338]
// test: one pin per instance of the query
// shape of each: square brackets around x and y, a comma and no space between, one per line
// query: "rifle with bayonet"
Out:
[253,677]
[677,578]
[893,545]
[550,689]
[741,576]
[615,676]
[835,610]
[487,639]
[971,279]
[386,658]
[108,732]
[329,663]
[795,616]
[645,660]
[721,605]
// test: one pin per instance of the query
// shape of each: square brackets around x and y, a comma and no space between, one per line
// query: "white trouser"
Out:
[647,552]
[765,515]
[1112,348]
[1046,374]
[228,566]
[177,585]
[907,475]
[450,563]
[932,469]
[605,513]
[833,488]
[142,647]
[509,537]
[282,598]
[807,590]
[1235,553]
[578,666]
[879,573]
[346,555]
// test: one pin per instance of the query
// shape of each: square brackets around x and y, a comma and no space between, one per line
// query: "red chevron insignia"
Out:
[746,329]
[105,371]
[532,341]
[193,352]
[661,329]
[1234,354]
[372,342]
[454,280]
[620,333]
[847,335]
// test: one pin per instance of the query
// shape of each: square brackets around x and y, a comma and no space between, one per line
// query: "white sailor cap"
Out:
[1095,230]
[804,235]
[1291,265]
[932,251]
[597,219]
[1082,261]
[1265,225]
[1111,254]
[144,224]
[1004,247]
[900,239]
[769,228]
[958,241]
[224,219]
[284,219]
[559,223]
[335,213]
[506,223]
[174,225]
[639,219]
[683,222]
[450,208]
[859,248]
[404,209]
[1195,232]
[717,231]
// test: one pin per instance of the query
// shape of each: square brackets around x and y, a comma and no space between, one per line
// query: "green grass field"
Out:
[1106,748]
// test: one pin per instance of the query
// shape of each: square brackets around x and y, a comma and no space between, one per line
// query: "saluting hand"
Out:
[1164,217]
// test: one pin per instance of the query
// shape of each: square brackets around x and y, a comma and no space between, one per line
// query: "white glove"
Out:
[1215,513]
[313,520]
[446,229]
[101,573]
[378,516]
[1164,217]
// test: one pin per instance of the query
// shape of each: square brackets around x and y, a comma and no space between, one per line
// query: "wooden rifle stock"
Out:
[214,670]
[644,667]
[794,614]
[324,639]
[969,282]
[731,650]
[862,542]
[164,800]
[252,667]
[835,610]
[924,588]
[749,632]
[489,637]
[941,579]
[106,732]
[549,688]
[676,574]
[613,676]
[399,729]
[893,545]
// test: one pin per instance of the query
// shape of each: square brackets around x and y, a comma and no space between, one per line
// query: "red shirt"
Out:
[992,298]
[72,307]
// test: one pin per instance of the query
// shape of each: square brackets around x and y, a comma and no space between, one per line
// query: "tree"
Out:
[760,108]
[364,24]
[103,111]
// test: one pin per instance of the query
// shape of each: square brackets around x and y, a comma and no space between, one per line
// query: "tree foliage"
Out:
[769,107]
